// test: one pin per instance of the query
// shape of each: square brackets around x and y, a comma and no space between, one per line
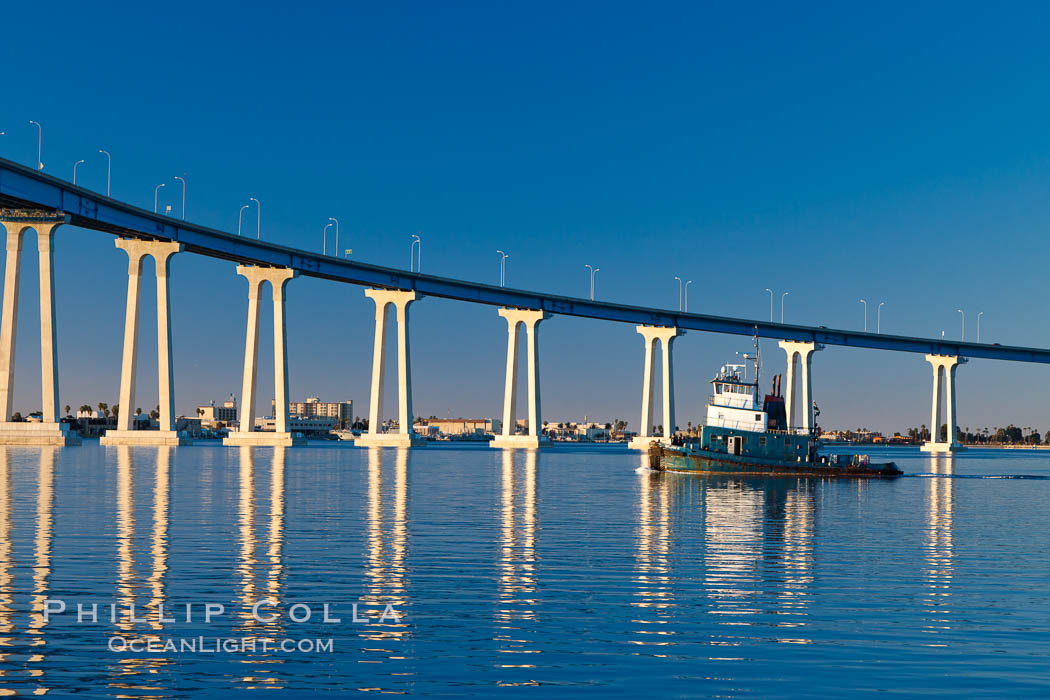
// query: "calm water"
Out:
[520,574]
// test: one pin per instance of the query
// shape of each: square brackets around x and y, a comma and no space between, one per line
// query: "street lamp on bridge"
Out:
[240,217]
[865,302]
[502,267]
[962,335]
[979,326]
[679,292]
[156,192]
[39,144]
[594,271]
[782,305]
[75,170]
[258,217]
[413,266]
[183,181]
[878,318]
[687,295]
[332,218]
[770,304]
[109,168]
[324,240]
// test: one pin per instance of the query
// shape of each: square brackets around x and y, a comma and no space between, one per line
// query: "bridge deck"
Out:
[23,187]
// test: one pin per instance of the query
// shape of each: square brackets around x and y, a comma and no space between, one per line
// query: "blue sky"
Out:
[894,153]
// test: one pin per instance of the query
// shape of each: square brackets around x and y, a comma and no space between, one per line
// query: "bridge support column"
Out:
[944,366]
[646,433]
[799,413]
[137,251]
[49,431]
[246,435]
[507,439]
[406,434]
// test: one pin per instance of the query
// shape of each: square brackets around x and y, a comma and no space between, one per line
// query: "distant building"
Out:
[314,407]
[459,426]
[212,414]
[316,427]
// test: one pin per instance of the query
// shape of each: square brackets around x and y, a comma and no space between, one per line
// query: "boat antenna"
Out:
[758,358]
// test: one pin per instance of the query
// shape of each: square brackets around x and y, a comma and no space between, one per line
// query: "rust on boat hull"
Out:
[700,461]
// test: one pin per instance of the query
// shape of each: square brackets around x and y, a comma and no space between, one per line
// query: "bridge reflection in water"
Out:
[939,548]
[25,676]
[516,613]
[754,545]
[139,600]
[386,553]
[260,578]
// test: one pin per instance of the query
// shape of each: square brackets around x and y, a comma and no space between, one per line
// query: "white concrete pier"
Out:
[49,431]
[137,251]
[534,439]
[799,411]
[246,435]
[646,433]
[406,434]
[944,366]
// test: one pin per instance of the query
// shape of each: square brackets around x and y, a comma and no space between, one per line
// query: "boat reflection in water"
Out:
[939,546]
[515,615]
[754,543]
[261,577]
[138,600]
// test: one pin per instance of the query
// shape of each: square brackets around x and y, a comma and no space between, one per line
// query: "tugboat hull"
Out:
[699,461]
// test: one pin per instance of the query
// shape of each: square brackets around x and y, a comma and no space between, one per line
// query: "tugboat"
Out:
[742,439]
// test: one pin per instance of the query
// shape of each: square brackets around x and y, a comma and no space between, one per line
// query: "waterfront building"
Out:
[212,414]
[314,407]
[459,426]
[310,427]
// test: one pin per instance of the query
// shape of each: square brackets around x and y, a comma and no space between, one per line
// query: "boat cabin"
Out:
[734,402]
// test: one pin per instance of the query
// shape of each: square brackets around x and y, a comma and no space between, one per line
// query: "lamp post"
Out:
[979,325]
[770,304]
[782,305]
[594,271]
[75,170]
[240,217]
[183,181]
[865,302]
[156,192]
[416,240]
[109,168]
[687,295]
[679,292]
[962,314]
[878,318]
[39,144]
[324,240]
[258,218]
[502,267]
[332,218]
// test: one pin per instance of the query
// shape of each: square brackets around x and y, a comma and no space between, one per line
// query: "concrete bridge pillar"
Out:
[650,336]
[406,434]
[943,367]
[246,435]
[799,411]
[137,251]
[49,431]
[531,320]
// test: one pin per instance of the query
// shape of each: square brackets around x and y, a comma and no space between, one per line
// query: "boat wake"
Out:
[1037,477]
